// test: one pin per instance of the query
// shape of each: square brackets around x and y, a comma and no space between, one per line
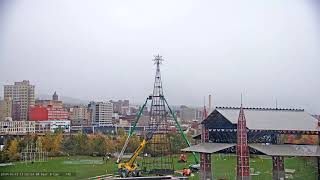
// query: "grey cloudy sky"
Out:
[100,50]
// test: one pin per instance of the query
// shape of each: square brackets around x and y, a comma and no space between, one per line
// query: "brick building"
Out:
[42,113]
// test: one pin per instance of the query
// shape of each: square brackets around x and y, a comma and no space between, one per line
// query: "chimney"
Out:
[209,109]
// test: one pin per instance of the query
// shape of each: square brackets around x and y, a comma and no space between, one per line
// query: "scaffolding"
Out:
[31,153]
[161,161]
[159,147]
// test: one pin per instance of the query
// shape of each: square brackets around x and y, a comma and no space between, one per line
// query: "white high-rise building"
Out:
[22,95]
[101,113]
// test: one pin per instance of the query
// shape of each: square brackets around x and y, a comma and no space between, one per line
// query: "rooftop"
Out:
[270,150]
[270,118]
[208,147]
[288,150]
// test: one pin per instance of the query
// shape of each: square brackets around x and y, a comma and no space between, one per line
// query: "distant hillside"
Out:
[65,99]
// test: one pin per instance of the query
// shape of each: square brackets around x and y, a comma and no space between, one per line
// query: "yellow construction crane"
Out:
[130,168]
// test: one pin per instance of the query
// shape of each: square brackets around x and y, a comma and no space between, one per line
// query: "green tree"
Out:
[121,132]
[28,139]
[177,142]
[3,154]
[69,145]
[97,143]
[81,144]
[133,143]
[100,143]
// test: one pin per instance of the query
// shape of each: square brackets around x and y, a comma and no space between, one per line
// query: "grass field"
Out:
[223,165]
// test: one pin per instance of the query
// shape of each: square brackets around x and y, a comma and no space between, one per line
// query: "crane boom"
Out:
[137,152]
[181,131]
[129,168]
[132,128]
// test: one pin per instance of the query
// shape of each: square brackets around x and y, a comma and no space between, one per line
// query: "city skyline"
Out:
[184,89]
[106,53]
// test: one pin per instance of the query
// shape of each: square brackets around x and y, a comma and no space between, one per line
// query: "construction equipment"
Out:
[186,172]
[130,168]
[158,117]
[132,128]
[194,167]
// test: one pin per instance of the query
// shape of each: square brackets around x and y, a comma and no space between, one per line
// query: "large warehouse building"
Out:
[267,130]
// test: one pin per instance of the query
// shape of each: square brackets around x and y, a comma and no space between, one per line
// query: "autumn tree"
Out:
[110,145]
[97,143]
[120,139]
[133,143]
[90,141]
[47,142]
[12,151]
[57,142]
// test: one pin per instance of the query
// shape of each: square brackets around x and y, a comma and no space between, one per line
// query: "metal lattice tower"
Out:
[243,167]
[159,147]
[205,158]
[157,111]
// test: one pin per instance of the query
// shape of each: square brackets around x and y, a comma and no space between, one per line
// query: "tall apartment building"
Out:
[79,115]
[5,109]
[199,114]
[22,95]
[121,106]
[101,113]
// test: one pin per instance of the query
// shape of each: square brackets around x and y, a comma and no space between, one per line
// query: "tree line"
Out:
[57,144]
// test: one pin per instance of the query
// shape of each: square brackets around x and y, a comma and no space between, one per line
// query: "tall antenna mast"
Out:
[157,88]
[158,60]
[160,148]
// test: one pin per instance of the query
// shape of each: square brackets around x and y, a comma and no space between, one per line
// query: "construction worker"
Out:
[183,158]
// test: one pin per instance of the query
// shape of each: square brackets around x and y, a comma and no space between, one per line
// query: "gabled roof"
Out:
[271,119]
[270,150]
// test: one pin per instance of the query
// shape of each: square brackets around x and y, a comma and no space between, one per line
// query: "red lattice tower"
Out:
[205,158]
[204,130]
[243,167]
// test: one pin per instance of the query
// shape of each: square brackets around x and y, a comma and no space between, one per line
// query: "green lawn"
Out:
[223,166]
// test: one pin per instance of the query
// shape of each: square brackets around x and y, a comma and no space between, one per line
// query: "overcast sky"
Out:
[101,50]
